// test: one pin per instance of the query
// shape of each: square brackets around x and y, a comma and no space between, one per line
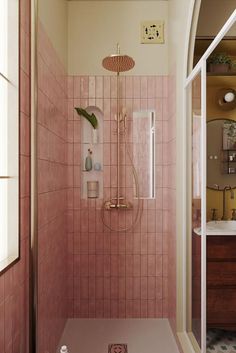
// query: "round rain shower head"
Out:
[118,63]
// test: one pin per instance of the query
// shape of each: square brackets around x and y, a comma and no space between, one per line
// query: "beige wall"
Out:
[53,16]
[94,28]
[209,24]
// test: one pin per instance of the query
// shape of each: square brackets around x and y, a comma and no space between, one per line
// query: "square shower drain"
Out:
[117,348]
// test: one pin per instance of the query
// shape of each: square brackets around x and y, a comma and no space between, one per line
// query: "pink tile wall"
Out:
[169,196]
[115,275]
[52,195]
[14,289]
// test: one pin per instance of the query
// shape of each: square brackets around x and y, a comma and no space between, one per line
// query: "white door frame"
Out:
[201,68]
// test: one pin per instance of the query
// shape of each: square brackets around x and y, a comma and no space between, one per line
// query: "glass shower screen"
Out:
[144,152]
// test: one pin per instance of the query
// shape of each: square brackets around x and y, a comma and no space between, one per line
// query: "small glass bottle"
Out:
[88,161]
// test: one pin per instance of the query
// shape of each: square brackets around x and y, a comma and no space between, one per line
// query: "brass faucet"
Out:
[214,214]
[233,218]
[227,187]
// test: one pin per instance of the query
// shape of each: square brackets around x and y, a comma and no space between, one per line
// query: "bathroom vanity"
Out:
[221,273]
[221,281]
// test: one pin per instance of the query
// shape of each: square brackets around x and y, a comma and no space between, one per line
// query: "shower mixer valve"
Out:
[123,119]
[109,205]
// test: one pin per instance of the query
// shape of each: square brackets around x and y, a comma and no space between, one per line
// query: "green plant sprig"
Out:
[91,118]
[220,58]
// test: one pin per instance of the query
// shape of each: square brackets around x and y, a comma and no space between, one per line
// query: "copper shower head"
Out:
[118,62]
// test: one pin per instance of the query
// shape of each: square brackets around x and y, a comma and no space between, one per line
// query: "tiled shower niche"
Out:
[92,139]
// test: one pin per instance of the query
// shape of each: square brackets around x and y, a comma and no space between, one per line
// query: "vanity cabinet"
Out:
[221,282]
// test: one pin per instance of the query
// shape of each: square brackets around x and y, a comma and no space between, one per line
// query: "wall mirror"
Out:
[221,153]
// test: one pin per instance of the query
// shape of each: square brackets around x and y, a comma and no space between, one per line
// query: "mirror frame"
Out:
[209,121]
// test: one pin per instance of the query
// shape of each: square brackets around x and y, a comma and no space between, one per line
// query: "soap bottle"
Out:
[88,161]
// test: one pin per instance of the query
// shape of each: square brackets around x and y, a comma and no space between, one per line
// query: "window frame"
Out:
[11,260]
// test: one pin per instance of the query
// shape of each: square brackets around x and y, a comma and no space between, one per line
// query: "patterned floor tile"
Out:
[221,341]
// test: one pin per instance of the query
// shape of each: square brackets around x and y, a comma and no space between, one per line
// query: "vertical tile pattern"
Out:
[14,283]
[169,197]
[119,274]
[54,152]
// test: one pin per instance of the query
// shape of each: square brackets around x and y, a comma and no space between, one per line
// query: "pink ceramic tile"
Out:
[114,265]
[160,292]
[137,87]
[107,127]
[99,265]
[70,86]
[92,81]
[129,308]
[122,308]
[144,87]
[107,309]
[92,265]
[151,87]
[151,288]
[144,243]
[84,265]
[99,104]
[137,265]
[99,87]
[129,86]
[122,288]
[77,85]
[114,288]
[144,265]
[121,265]
[84,86]
[151,308]
[151,243]
[84,288]
[114,309]
[165,86]
[144,287]
[99,287]
[165,111]
[137,288]
[107,288]
[106,87]
[151,266]
[159,270]
[129,243]
[113,81]
[128,267]
[129,287]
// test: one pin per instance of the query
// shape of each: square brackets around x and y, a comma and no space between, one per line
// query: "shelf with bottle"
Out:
[229,156]
[93,170]
[92,156]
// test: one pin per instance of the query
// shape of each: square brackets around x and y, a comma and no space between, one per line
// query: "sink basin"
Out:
[219,228]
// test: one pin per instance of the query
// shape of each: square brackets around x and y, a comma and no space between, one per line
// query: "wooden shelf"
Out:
[94,170]
[229,161]
[221,81]
[225,74]
[227,45]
